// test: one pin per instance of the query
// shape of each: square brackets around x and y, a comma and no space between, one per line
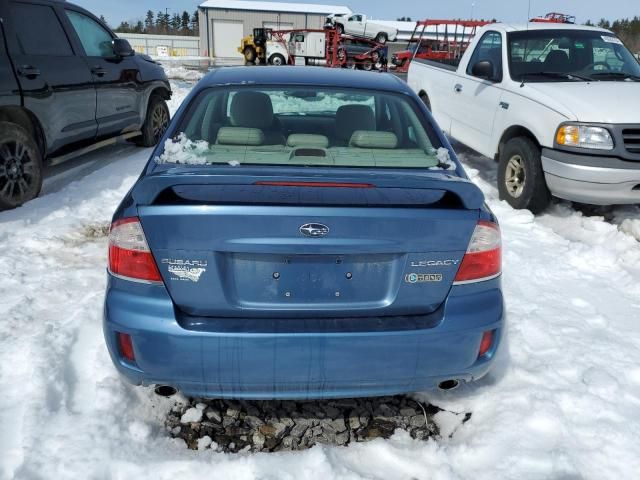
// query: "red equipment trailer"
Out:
[555,17]
[447,42]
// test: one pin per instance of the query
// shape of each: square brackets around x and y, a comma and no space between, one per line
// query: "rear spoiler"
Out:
[326,186]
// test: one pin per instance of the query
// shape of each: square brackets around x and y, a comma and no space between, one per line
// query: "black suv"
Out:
[68,85]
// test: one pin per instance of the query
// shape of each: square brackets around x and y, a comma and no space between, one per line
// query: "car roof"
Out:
[519,27]
[303,76]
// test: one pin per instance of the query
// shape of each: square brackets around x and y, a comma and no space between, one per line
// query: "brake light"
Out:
[129,254]
[483,259]
[315,184]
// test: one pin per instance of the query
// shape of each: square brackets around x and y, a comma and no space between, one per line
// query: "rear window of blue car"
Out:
[304,126]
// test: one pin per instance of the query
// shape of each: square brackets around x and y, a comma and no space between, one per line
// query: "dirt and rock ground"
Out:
[270,426]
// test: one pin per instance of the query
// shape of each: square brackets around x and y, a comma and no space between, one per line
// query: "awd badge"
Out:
[422,277]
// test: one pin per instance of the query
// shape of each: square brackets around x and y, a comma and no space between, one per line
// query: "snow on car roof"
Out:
[276,6]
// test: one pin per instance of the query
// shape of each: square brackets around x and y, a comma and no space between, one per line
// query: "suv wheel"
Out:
[156,122]
[520,177]
[20,166]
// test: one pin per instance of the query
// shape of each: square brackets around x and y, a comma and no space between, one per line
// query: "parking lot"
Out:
[561,402]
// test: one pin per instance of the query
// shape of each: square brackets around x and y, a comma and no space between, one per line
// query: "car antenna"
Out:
[526,41]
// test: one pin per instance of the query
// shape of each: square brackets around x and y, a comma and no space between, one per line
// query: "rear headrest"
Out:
[240,136]
[373,139]
[350,118]
[251,109]
[307,140]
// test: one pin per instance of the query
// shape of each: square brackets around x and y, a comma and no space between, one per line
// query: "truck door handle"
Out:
[457,88]
[28,71]
[98,71]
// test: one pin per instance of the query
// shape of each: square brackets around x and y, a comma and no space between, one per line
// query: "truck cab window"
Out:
[42,34]
[489,48]
[96,41]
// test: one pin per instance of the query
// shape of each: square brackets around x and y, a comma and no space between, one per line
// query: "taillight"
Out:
[129,254]
[483,259]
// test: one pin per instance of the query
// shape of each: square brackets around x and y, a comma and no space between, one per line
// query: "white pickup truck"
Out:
[358,26]
[558,106]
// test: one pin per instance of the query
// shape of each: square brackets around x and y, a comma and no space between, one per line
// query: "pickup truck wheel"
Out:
[276,59]
[367,65]
[351,64]
[425,99]
[156,122]
[339,28]
[520,177]
[20,166]
[381,38]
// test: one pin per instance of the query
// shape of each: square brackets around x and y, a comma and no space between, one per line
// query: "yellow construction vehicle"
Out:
[253,47]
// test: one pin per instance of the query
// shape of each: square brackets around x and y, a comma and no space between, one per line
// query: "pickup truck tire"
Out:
[381,38]
[156,122]
[366,65]
[520,177]
[20,166]
[339,28]
[425,99]
[276,59]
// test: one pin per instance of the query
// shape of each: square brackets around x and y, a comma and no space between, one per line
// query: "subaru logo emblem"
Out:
[314,230]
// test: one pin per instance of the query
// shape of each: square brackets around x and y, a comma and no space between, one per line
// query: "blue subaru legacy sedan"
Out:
[303,233]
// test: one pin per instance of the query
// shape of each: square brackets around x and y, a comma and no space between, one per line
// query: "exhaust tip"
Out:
[165,390]
[448,384]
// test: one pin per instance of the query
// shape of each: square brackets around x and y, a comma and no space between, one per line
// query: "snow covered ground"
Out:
[562,403]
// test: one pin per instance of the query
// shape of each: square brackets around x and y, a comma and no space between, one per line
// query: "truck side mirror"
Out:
[122,48]
[483,69]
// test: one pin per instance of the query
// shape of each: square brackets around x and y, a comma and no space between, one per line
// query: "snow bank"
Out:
[562,403]
[179,72]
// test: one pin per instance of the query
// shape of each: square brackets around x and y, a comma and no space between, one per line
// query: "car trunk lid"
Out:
[305,245]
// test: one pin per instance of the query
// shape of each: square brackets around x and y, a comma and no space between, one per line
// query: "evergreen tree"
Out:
[175,23]
[124,27]
[166,20]
[161,26]
[195,27]
[149,22]
[139,27]
[184,23]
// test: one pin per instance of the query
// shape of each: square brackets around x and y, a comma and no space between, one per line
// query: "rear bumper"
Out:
[591,179]
[234,358]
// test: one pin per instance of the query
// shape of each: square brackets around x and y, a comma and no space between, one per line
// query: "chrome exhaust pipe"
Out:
[448,384]
[165,390]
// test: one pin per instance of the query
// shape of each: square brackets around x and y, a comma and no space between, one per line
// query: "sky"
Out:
[116,11]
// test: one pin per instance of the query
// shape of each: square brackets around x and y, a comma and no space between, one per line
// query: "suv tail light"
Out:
[483,259]
[129,254]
